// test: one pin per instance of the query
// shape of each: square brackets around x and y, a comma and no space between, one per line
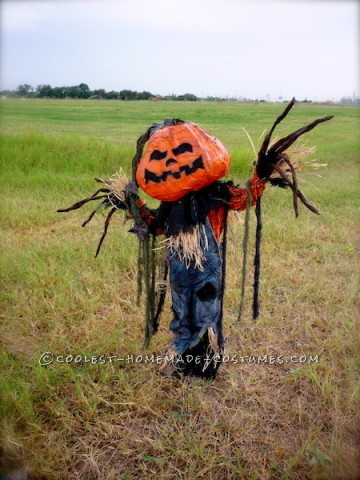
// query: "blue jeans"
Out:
[196,297]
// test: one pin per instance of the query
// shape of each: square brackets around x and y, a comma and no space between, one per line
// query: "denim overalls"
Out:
[196,296]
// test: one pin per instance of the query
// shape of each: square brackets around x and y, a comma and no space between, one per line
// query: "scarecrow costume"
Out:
[182,166]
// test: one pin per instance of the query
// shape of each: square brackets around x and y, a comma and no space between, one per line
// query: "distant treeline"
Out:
[83,91]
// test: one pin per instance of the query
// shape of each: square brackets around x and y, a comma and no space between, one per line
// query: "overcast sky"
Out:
[206,47]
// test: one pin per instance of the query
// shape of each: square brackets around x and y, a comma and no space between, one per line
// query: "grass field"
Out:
[257,421]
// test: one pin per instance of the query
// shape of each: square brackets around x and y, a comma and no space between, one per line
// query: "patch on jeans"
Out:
[207,292]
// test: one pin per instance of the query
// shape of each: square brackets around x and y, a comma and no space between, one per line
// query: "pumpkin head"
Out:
[179,159]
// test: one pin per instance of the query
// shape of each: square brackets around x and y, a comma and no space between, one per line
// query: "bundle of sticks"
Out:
[274,164]
[113,196]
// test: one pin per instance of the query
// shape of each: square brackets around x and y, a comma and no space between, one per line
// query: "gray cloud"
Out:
[206,47]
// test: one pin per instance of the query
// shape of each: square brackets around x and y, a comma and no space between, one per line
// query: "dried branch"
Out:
[82,202]
[302,197]
[281,145]
[268,159]
[106,226]
[286,159]
[281,117]
[102,204]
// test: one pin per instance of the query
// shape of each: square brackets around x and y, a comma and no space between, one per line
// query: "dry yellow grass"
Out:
[257,420]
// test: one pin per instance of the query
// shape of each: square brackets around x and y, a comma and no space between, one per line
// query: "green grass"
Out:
[123,421]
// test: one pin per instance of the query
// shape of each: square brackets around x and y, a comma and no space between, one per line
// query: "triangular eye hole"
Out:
[158,155]
[182,148]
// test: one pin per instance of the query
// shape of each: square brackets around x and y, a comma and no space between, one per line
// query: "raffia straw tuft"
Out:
[189,246]
[213,340]
[116,184]
[298,153]
[213,350]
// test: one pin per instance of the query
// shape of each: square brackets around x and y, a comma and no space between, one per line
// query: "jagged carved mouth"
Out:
[152,177]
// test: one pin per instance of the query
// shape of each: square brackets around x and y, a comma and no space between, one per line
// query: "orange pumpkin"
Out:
[179,159]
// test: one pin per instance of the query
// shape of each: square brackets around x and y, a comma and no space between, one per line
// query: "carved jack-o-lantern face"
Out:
[179,159]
